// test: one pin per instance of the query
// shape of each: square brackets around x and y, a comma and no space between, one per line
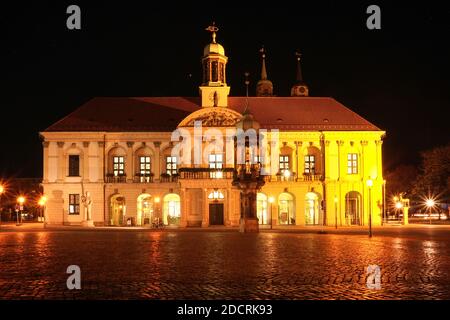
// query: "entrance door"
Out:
[216,214]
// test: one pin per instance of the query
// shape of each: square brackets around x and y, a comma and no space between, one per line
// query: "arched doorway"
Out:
[118,210]
[172,212]
[311,208]
[353,208]
[286,209]
[261,208]
[144,209]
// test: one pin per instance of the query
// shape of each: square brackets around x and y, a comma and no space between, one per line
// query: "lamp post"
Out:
[42,202]
[430,204]
[21,201]
[2,190]
[369,185]
[335,211]
[157,200]
[271,201]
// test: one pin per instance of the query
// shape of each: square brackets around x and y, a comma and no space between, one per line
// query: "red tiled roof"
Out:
[164,114]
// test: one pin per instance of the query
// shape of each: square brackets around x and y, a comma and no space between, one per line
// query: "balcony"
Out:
[206,173]
[169,178]
[111,178]
[143,178]
[293,177]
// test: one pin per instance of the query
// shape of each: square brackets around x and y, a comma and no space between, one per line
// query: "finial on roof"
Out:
[300,88]
[263,67]
[213,29]
[264,87]
[299,77]
[247,82]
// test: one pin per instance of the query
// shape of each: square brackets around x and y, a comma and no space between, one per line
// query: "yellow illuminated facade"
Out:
[122,170]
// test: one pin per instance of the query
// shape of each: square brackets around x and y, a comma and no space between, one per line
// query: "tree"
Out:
[434,177]
[401,179]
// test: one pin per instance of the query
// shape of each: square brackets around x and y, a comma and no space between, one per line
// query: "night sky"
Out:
[396,77]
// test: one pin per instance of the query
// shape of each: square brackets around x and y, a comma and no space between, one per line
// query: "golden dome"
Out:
[213,48]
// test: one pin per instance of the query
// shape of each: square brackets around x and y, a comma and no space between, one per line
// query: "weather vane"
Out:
[263,52]
[213,29]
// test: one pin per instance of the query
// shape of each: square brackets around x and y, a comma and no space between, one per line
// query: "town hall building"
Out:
[111,161]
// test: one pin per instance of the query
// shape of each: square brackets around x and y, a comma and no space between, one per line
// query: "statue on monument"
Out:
[86,200]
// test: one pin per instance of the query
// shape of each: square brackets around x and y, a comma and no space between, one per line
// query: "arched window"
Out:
[116,163]
[353,208]
[144,209]
[172,212]
[261,208]
[117,210]
[143,164]
[311,208]
[286,209]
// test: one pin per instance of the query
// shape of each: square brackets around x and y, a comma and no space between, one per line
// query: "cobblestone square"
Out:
[219,264]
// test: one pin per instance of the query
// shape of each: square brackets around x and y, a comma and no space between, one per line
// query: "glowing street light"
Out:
[21,201]
[271,201]
[42,202]
[398,205]
[430,203]
[370,185]
[287,174]
[2,190]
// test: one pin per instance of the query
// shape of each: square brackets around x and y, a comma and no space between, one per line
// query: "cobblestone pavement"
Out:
[223,265]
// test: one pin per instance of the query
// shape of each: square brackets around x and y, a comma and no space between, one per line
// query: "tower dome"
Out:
[213,48]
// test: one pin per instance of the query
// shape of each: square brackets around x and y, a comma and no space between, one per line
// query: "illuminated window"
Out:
[310,164]
[145,168]
[352,163]
[216,195]
[171,165]
[118,165]
[216,162]
[74,166]
[74,204]
[284,164]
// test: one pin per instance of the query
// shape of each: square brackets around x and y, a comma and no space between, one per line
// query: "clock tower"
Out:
[214,90]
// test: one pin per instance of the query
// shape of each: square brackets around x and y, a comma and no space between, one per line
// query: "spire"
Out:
[263,68]
[299,77]
[264,87]
[247,82]
[299,89]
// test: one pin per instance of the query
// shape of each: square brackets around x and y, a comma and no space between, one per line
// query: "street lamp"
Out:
[286,174]
[21,201]
[430,203]
[42,202]
[157,200]
[335,211]
[2,190]
[370,185]
[271,201]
